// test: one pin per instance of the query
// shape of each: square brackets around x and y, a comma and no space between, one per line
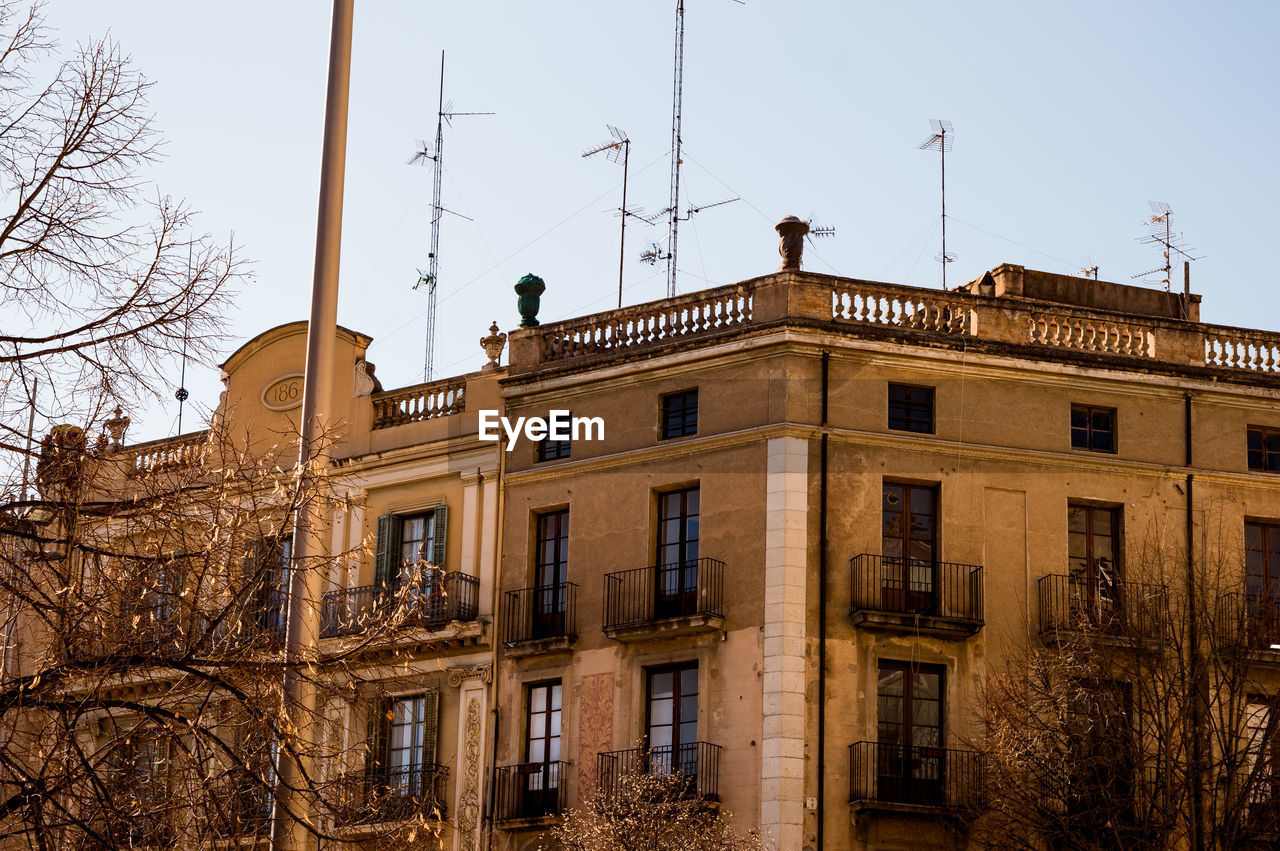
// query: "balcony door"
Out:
[1262,579]
[551,597]
[408,747]
[673,721]
[1093,563]
[908,548]
[910,760]
[676,581]
[540,773]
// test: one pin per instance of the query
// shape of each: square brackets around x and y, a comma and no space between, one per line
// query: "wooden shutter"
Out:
[430,722]
[386,564]
[440,529]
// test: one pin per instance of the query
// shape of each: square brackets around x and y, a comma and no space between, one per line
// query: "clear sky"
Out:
[1068,118]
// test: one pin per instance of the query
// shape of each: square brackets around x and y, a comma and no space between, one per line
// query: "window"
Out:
[676,584]
[1093,429]
[409,542]
[1264,449]
[910,762]
[1262,753]
[406,746]
[1093,561]
[680,414]
[266,567]
[553,450]
[1262,561]
[911,408]
[908,547]
[673,720]
[540,773]
[1102,757]
[551,574]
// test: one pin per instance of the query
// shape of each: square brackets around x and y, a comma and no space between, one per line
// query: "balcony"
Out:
[1249,624]
[540,620]
[1117,611]
[240,808]
[695,765]
[530,793]
[656,602]
[894,594]
[436,598]
[380,795]
[904,778]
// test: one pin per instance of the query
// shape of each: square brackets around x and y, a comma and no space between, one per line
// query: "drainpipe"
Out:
[822,603]
[1196,775]
[491,810]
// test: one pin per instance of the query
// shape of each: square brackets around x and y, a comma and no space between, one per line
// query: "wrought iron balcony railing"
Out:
[909,590]
[383,794]
[531,790]
[539,614]
[695,767]
[651,594]
[902,774]
[436,598]
[1130,610]
[1248,621]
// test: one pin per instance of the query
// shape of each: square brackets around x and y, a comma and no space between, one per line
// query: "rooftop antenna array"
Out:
[619,148]
[430,278]
[1088,267]
[182,395]
[673,211]
[1161,233]
[940,141]
[654,252]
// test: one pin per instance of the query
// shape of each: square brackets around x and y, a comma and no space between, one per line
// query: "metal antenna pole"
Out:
[940,141]
[622,240]
[431,278]
[182,394]
[676,98]
[433,259]
[293,814]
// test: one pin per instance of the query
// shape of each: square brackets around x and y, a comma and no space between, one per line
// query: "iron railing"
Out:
[534,614]
[530,790]
[384,794]
[905,774]
[695,767]
[436,598]
[647,594]
[267,611]
[916,587]
[1114,607]
[241,807]
[1248,621]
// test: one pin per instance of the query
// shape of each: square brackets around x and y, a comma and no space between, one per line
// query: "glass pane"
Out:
[660,711]
[555,696]
[659,737]
[661,684]
[1079,418]
[891,681]
[555,724]
[689,681]
[538,699]
[1102,524]
[925,686]
[689,709]
[537,750]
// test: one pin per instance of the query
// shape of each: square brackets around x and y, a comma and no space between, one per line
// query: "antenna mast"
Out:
[431,277]
[940,141]
[619,147]
[182,395]
[1161,224]
[677,98]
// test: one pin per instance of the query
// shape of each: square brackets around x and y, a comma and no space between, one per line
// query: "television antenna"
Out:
[1088,267]
[673,210]
[1161,233]
[431,278]
[940,141]
[620,148]
[655,252]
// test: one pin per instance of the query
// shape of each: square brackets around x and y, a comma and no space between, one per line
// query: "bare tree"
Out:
[103,282]
[1139,713]
[648,811]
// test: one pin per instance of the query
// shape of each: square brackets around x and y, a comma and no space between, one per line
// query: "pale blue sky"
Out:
[1068,118]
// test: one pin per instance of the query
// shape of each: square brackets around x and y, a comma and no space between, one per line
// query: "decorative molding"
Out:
[483,673]
[284,393]
[469,800]
[357,497]
[595,725]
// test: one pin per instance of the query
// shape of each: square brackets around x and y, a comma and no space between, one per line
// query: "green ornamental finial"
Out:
[529,288]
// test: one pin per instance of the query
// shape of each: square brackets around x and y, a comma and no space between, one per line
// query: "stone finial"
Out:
[493,346]
[791,246]
[529,288]
[116,427]
[366,383]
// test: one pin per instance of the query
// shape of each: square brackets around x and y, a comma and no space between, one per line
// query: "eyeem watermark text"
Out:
[558,425]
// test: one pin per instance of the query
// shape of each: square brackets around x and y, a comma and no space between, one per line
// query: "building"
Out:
[820,512]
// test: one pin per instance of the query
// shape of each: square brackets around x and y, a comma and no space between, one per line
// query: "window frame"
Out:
[1088,430]
[554,450]
[1269,461]
[676,669]
[910,420]
[683,403]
